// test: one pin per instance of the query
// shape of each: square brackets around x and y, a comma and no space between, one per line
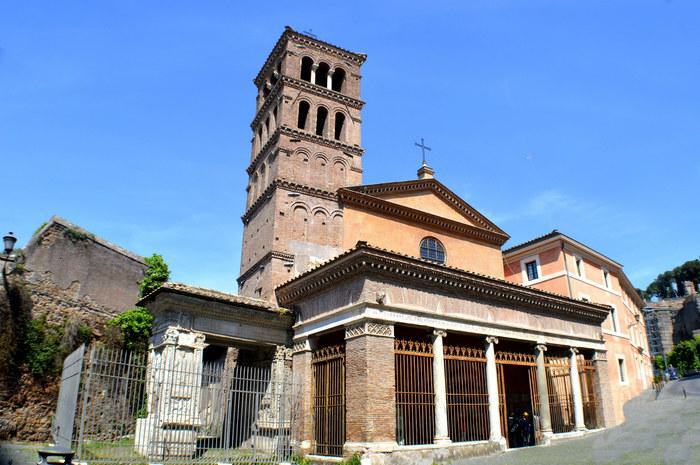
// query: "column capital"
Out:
[491,340]
[314,66]
[369,328]
[541,348]
[439,332]
[302,345]
[573,350]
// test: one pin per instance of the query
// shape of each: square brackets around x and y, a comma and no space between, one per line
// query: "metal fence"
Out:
[136,410]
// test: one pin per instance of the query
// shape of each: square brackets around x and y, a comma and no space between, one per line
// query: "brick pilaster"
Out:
[302,407]
[603,391]
[370,385]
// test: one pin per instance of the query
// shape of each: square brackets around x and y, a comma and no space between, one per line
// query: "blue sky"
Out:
[131,118]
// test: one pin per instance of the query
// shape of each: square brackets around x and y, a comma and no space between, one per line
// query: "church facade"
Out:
[412,335]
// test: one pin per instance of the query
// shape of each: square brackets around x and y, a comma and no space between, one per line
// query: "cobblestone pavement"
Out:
[662,431]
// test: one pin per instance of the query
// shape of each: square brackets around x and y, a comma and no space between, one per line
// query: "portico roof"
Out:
[364,258]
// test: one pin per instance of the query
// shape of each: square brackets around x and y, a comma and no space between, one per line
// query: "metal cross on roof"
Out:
[310,32]
[423,148]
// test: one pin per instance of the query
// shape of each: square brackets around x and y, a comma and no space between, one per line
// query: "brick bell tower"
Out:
[306,145]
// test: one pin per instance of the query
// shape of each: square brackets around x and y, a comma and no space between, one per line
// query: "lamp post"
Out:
[9,243]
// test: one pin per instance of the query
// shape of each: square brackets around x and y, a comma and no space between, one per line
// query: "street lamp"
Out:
[9,242]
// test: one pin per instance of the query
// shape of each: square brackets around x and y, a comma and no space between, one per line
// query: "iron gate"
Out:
[590,400]
[415,393]
[561,403]
[467,394]
[329,400]
[134,409]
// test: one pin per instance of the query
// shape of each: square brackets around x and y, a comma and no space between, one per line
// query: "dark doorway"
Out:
[516,385]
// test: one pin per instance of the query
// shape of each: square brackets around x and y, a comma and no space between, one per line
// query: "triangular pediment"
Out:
[428,197]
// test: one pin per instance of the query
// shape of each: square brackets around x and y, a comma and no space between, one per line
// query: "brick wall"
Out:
[370,389]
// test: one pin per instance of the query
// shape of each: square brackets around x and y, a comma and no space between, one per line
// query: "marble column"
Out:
[314,67]
[329,81]
[543,391]
[576,391]
[492,387]
[442,435]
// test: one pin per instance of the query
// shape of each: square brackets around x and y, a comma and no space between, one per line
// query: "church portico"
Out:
[429,365]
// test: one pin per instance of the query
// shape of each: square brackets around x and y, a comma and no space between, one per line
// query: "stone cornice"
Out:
[291,34]
[368,260]
[307,86]
[286,185]
[288,257]
[299,134]
[369,202]
[439,189]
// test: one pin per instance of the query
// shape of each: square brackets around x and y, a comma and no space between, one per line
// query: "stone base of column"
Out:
[546,438]
[581,428]
[442,441]
[502,443]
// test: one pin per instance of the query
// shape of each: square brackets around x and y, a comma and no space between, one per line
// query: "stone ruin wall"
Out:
[71,278]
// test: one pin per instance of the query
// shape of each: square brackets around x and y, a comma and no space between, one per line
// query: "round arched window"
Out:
[432,249]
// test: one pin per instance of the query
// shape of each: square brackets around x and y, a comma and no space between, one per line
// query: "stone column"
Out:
[492,387]
[329,80]
[576,391]
[442,435]
[302,414]
[543,391]
[370,387]
[174,394]
[314,67]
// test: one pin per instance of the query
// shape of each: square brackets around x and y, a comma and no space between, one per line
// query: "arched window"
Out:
[306,64]
[303,114]
[321,117]
[322,74]
[339,133]
[338,79]
[431,249]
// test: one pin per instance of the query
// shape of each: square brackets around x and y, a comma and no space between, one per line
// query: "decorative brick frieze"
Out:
[289,186]
[303,345]
[369,328]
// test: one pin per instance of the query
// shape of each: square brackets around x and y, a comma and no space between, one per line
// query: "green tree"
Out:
[134,327]
[659,362]
[156,274]
[662,286]
[685,357]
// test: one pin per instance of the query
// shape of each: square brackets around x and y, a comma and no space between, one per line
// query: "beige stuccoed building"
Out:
[409,339]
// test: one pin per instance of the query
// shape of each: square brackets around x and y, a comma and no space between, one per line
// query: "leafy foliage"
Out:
[74,235]
[156,274]
[659,362]
[663,285]
[47,344]
[685,356]
[134,327]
